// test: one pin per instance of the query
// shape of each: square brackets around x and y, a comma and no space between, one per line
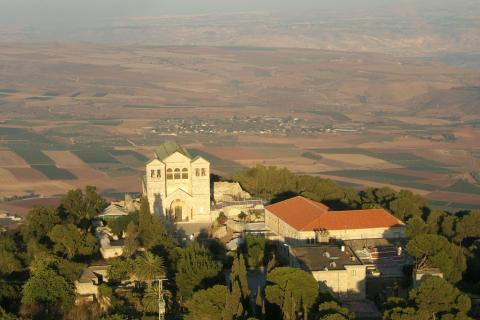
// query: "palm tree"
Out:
[149,267]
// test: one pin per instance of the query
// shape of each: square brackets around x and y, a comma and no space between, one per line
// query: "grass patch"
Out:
[116,171]
[8,90]
[51,94]
[383,177]
[452,206]
[463,186]
[131,153]
[94,154]
[227,166]
[54,173]
[140,106]
[40,98]
[311,155]
[31,154]
[406,160]
[106,122]
[334,115]
[21,135]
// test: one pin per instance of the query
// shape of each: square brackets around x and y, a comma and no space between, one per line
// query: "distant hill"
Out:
[450,102]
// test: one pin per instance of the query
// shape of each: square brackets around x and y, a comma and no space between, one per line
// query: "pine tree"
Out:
[239,274]
[259,305]
[233,306]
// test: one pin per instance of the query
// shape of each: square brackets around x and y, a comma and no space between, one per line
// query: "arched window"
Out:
[176,175]
[184,173]
[169,174]
[159,173]
[197,172]
[204,172]
[152,173]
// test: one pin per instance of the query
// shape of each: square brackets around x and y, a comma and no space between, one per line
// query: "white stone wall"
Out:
[347,283]
[189,185]
[289,235]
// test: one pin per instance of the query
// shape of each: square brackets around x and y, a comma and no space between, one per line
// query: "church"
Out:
[177,185]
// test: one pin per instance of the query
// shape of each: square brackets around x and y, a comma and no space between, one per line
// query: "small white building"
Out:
[177,185]
[336,268]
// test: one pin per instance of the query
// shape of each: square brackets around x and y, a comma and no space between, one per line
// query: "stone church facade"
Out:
[177,185]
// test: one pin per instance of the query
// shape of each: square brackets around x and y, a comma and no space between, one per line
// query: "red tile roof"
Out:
[308,215]
[298,211]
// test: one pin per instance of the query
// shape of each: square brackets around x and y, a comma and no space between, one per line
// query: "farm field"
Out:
[86,114]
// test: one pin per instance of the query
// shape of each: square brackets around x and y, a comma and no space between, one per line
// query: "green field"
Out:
[311,155]
[334,115]
[106,122]
[131,153]
[94,154]
[13,135]
[406,160]
[54,173]
[8,90]
[463,186]
[383,177]
[453,206]
[226,166]
[32,154]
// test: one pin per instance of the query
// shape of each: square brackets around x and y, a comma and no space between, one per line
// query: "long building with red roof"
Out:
[301,220]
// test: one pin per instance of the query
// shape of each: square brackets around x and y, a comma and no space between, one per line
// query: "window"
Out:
[159,173]
[204,172]
[197,172]
[169,174]
[176,175]
[152,173]
[184,173]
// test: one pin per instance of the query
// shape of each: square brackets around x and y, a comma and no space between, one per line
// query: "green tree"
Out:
[120,269]
[46,261]
[207,304]
[416,226]
[293,290]
[436,251]
[149,267]
[150,227]
[234,308]
[437,297]
[51,291]
[407,204]
[81,207]
[39,222]
[8,316]
[196,269]
[434,299]
[255,249]
[9,259]
[71,241]
[239,274]
[131,243]
[332,310]
[434,221]
[468,226]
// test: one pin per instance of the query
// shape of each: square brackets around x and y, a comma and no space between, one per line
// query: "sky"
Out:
[52,12]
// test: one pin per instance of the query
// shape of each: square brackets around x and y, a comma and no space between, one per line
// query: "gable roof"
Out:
[297,211]
[168,148]
[308,215]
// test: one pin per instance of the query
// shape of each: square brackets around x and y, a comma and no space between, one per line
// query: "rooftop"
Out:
[168,148]
[331,257]
[308,215]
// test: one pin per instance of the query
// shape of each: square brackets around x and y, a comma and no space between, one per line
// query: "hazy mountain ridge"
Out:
[393,30]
